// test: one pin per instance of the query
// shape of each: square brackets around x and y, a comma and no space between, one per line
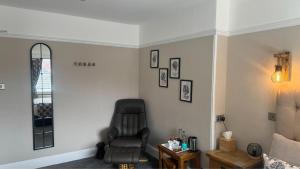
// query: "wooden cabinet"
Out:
[230,160]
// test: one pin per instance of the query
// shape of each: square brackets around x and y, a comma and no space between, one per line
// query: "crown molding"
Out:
[210,32]
[205,33]
[45,38]
[51,160]
[241,31]
[166,41]
[261,27]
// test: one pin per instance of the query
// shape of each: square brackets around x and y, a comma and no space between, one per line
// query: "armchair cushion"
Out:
[144,135]
[127,142]
[112,134]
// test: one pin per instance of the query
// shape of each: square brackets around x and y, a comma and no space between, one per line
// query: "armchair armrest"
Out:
[112,134]
[144,135]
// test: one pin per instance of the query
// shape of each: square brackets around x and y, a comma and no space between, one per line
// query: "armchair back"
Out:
[129,117]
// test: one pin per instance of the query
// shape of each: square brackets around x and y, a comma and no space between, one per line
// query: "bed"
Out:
[285,148]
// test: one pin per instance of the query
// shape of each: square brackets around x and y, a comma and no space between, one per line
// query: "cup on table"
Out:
[184,146]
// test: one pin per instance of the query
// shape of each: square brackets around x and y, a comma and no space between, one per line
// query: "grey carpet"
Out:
[93,163]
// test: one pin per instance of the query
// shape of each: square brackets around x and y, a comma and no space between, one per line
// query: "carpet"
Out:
[94,163]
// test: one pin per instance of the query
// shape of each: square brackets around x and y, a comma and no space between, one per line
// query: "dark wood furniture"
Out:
[237,159]
[181,158]
[168,163]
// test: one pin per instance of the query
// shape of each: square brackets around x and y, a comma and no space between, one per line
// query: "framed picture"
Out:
[154,58]
[163,77]
[186,90]
[175,68]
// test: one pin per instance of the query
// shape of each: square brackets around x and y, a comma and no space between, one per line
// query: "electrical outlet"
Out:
[272,116]
[2,86]
[220,118]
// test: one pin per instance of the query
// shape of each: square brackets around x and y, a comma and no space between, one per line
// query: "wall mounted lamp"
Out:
[282,68]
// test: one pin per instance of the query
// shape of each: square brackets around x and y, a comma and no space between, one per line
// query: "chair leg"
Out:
[123,166]
[131,166]
[126,166]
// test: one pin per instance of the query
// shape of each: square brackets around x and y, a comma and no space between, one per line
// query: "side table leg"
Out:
[181,164]
[131,166]
[160,159]
[197,162]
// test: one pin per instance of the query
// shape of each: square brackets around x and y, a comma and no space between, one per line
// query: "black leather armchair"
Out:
[128,128]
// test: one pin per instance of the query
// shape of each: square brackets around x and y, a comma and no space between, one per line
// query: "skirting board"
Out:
[51,160]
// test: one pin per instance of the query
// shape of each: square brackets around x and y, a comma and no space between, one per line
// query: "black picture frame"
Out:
[154,64]
[164,71]
[172,67]
[189,96]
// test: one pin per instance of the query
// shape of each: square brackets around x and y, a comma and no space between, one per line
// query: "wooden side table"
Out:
[181,157]
[237,159]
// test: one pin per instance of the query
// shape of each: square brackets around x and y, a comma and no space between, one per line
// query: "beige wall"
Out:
[83,97]
[166,113]
[250,91]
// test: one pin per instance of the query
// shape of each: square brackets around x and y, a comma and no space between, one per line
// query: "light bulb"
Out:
[277,76]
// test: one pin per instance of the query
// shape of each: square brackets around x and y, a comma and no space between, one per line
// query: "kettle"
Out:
[193,143]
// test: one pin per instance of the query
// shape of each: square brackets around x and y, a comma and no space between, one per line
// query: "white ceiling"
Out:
[125,11]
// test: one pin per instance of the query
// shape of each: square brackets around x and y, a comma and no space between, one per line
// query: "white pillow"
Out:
[285,149]
[273,163]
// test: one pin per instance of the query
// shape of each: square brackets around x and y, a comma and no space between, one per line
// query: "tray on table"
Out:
[176,151]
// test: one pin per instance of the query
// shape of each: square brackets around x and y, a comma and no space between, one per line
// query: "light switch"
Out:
[2,86]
